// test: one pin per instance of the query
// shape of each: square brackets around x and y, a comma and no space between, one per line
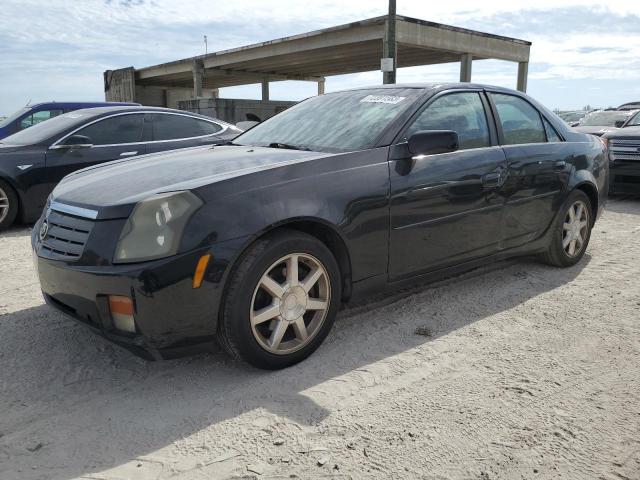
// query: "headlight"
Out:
[154,228]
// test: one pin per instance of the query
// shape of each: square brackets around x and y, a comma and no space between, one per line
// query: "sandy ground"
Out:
[528,372]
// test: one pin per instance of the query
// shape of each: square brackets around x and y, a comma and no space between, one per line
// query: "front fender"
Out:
[347,192]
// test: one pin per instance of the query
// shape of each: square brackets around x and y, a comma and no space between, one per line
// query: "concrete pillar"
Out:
[198,73]
[465,67]
[215,93]
[321,87]
[523,73]
[265,89]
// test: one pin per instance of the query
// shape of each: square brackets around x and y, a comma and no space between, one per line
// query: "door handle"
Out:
[559,165]
[128,154]
[491,180]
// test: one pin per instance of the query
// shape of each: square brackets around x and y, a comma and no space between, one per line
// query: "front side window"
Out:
[521,123]
[175,127]
[114,130]
[335,122]
[461,112]
[38,117]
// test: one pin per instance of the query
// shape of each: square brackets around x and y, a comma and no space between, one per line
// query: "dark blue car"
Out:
[33,114]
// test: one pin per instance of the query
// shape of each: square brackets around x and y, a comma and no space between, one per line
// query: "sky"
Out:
[584,52]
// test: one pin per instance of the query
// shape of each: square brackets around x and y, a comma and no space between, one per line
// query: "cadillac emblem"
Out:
[44,230]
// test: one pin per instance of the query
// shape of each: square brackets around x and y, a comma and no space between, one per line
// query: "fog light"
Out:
[121,309]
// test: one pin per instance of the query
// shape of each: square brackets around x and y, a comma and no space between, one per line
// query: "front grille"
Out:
[625,149]
[66,237]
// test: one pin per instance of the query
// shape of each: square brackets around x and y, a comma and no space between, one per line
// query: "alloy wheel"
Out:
[290,303]
[4,205]
[575,229]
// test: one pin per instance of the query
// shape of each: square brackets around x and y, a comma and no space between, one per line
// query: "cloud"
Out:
[59,49]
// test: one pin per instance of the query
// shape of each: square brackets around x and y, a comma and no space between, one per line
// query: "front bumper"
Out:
[624,177]
[172,318]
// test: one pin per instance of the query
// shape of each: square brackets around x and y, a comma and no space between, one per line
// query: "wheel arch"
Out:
[590,191]
[323,231]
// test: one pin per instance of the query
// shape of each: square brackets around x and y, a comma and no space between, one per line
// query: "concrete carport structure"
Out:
[350,48]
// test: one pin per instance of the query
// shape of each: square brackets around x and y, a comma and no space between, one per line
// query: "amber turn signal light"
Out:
[201,268]
[121,309]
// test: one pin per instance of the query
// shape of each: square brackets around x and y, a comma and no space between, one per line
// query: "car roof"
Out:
[100,111]
[436,86]
[74,104]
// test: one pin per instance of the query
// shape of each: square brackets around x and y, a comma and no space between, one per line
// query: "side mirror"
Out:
[431,142]
[619,123]
[247,125]
[74,142]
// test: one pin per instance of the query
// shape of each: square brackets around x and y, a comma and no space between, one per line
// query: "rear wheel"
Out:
[281,301]
[572,231]
[8,205]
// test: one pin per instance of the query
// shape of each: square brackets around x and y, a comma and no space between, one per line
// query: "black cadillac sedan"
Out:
[34,160]
[258,242]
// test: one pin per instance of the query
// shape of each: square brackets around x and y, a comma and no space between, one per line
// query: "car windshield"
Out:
[45,130]
[634,121]
[13,117]
[603,119]
[336,122]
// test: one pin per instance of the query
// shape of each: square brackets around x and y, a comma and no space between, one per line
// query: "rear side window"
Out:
[175,127]
[461,112]
[552,135]
[521,123]
[114,130]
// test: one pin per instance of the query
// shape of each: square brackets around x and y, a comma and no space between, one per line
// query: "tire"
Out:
[276,325]
[559,252]
[8,205]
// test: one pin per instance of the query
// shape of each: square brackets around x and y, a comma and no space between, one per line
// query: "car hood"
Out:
[595,130]
[113,188]
[629,133]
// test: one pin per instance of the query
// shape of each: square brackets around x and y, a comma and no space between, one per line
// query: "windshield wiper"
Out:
[288,146]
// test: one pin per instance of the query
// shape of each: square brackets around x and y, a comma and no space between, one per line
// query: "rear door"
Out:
[446,208]
[537,168]
[174,130]
[111,138]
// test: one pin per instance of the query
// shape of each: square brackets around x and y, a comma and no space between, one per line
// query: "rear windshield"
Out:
[45,130]
[14,116]
[603,119]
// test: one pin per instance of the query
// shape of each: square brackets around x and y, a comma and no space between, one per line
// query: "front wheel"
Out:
[572,231]
[8,206]
[281,301]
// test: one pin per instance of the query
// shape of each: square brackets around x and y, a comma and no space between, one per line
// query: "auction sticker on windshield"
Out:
[382,99]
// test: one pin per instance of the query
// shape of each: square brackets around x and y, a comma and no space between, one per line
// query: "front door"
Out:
[112,138]
[446,208]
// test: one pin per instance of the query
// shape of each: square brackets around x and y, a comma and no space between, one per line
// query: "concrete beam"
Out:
[465,67]
[229,72]
[265,89]
[455,40]
[523,74]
